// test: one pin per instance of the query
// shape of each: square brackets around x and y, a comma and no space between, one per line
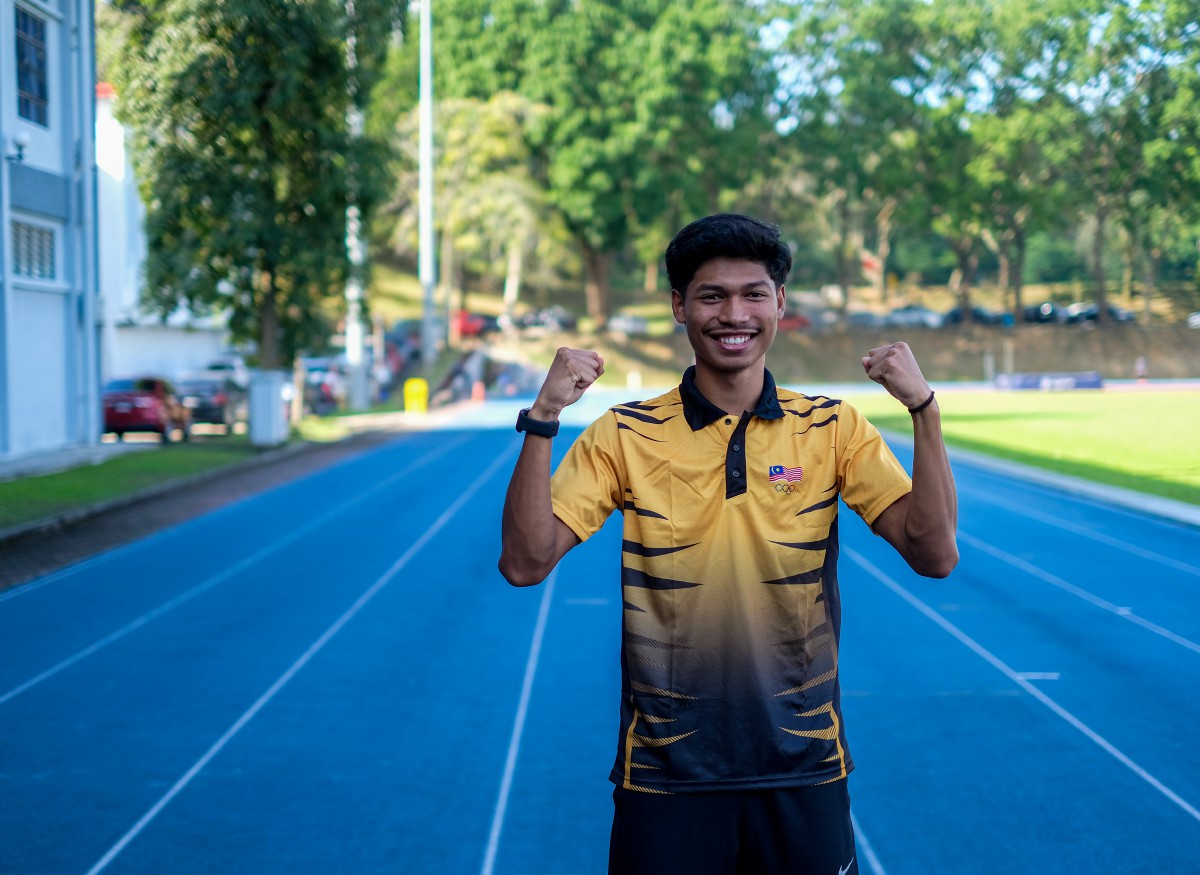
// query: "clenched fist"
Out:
[895,368]
[571,372]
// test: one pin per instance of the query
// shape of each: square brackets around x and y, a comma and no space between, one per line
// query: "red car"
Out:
[144,404]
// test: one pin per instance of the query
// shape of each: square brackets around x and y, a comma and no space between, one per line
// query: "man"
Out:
[732,756]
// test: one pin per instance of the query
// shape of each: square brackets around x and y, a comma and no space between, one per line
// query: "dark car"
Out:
[1087,311]
[213,398]
[148,404]
[1047,311]
[977,315]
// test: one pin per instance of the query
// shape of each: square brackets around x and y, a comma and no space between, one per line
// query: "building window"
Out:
[33,251]
[33,90]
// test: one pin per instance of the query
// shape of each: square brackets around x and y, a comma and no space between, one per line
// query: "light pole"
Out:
[426,267]
[359,396]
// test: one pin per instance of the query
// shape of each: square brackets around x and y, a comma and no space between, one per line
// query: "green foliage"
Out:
[240,144]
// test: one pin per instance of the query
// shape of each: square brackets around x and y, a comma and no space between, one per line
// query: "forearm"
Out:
[528,526]
[932,518]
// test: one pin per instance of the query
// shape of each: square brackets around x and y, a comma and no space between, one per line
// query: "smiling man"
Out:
[732,755]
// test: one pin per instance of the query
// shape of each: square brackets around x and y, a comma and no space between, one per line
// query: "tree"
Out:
[858,73]
[239,139]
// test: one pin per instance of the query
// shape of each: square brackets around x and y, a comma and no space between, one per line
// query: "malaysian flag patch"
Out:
[791,475]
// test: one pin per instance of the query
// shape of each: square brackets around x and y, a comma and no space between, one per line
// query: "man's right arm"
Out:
[533,539]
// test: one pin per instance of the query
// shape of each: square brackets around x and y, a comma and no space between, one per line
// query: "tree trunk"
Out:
[1017,273]
[1098,267]
[650,281]
[269,355]
[512,276]
[597,265]
[844,254]
[883,230]
[1154,257]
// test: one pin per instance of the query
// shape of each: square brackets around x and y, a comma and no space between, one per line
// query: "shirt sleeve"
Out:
[587,486]
[870,476]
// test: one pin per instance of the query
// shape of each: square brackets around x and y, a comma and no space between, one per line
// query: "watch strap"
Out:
[539,427]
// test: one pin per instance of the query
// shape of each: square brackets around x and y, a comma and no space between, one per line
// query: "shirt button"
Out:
[737,448]
[737,473]
[729,422]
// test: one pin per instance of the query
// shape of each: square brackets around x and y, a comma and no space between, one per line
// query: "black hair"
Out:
[726,235]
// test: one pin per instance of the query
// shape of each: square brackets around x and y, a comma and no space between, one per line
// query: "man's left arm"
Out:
[921,525]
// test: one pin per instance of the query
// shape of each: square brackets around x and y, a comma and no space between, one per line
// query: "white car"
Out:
[1193,320]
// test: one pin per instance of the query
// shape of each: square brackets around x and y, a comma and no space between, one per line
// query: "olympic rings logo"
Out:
[785,488]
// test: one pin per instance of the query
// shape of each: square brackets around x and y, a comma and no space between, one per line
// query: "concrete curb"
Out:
[1151,505]
[76,514]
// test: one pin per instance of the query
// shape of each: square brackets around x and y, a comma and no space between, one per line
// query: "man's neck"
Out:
[732,391]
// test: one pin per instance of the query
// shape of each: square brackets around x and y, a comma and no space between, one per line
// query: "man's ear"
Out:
[780,294]
[677,305]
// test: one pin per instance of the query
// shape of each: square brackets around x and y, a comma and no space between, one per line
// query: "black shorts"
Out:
[797,831]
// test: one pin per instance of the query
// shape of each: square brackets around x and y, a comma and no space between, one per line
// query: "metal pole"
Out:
[427,267]
[359,396]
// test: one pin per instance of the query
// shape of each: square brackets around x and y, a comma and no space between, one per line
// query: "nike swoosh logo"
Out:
[844,870]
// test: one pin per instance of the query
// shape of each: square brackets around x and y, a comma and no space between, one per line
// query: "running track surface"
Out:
[332,677]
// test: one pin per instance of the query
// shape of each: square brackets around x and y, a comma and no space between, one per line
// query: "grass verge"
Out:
[32,498]
[1134,439]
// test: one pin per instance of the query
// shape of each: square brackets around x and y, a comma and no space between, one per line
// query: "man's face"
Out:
[731,311]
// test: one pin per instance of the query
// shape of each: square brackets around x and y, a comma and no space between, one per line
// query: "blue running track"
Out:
[332,677]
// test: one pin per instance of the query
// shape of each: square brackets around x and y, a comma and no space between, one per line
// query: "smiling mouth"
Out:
[734,341]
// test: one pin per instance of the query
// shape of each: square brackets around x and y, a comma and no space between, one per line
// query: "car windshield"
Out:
[199,385]
[129,386]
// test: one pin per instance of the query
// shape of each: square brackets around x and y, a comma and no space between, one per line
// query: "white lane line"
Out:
[1085,532]
[865,847]
[1025,685]
[279,684]
[221,577]
[1121,611]
[1039,675]
[55,576]
[514,743]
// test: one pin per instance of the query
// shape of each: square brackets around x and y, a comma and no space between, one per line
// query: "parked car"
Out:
[474,324]
[1047,311]
[794,322]
[553,318]
[977,315]
[913,316]
[144,404]
[324,384]
[234,366]
[1087,311]
[213,397]
[864,319]
[629,324]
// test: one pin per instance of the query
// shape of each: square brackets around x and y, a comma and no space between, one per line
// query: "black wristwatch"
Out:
[540,427]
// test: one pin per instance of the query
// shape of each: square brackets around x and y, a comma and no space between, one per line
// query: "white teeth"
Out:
[736,341]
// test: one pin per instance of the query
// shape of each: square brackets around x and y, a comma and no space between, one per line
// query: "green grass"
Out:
[31,498]
[1140,440]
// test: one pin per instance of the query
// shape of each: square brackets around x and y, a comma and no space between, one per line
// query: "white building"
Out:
[49,320]
[134,342]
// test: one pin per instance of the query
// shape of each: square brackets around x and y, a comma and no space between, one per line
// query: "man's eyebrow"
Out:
[718,287]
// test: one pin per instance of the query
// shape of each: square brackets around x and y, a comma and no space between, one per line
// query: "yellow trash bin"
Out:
[416,395]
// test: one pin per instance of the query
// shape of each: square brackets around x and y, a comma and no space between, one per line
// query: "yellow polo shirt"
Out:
[729,577]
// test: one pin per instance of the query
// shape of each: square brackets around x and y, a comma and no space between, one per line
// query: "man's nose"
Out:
[734,311]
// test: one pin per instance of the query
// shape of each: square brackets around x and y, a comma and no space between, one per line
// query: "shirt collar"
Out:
[700,412]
